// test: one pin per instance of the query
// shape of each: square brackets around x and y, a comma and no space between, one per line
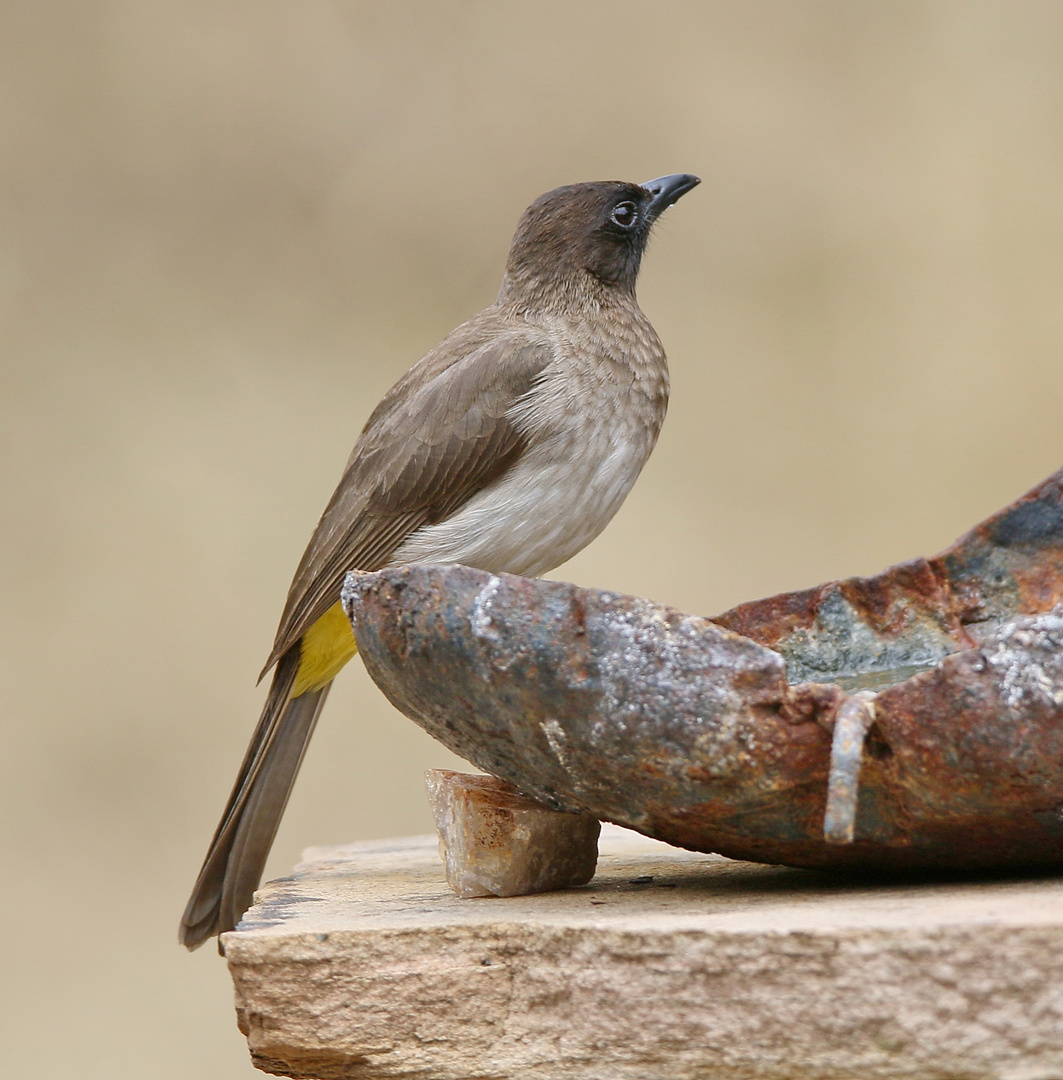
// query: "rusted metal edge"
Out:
[919,611]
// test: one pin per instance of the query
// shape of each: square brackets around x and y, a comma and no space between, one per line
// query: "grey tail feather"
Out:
[237,856]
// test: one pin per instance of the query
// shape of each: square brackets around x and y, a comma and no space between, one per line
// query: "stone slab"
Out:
[669,965]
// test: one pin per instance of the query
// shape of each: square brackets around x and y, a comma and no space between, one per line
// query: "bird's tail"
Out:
[237,856]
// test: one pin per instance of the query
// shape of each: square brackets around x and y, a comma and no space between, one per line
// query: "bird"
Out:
[508,447]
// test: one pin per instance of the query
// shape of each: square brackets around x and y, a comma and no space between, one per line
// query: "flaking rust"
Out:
[717,735]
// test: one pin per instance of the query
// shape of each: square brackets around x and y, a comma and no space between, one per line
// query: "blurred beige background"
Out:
[228,226]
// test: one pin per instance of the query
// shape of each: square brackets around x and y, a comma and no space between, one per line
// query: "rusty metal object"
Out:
[851,725]
[693,731]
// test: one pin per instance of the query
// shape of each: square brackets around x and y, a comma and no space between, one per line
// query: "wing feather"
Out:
[442,434]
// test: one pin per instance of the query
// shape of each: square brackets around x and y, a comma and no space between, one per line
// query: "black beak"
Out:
[666,190]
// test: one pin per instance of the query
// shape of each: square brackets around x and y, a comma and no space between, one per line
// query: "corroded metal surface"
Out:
[852,722]
[920,611]
[682,728]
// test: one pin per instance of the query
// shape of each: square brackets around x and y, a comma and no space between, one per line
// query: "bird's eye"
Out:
[624,215]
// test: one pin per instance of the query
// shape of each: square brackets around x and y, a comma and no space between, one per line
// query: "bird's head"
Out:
[586,236]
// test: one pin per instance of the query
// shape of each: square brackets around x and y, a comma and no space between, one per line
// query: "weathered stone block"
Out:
[494,841]
[669,965]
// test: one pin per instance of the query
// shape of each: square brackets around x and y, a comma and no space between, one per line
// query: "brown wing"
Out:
[440,435]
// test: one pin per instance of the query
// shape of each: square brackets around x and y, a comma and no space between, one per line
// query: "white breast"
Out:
[591,423]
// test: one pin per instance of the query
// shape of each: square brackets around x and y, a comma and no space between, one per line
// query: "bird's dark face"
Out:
[598,228]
